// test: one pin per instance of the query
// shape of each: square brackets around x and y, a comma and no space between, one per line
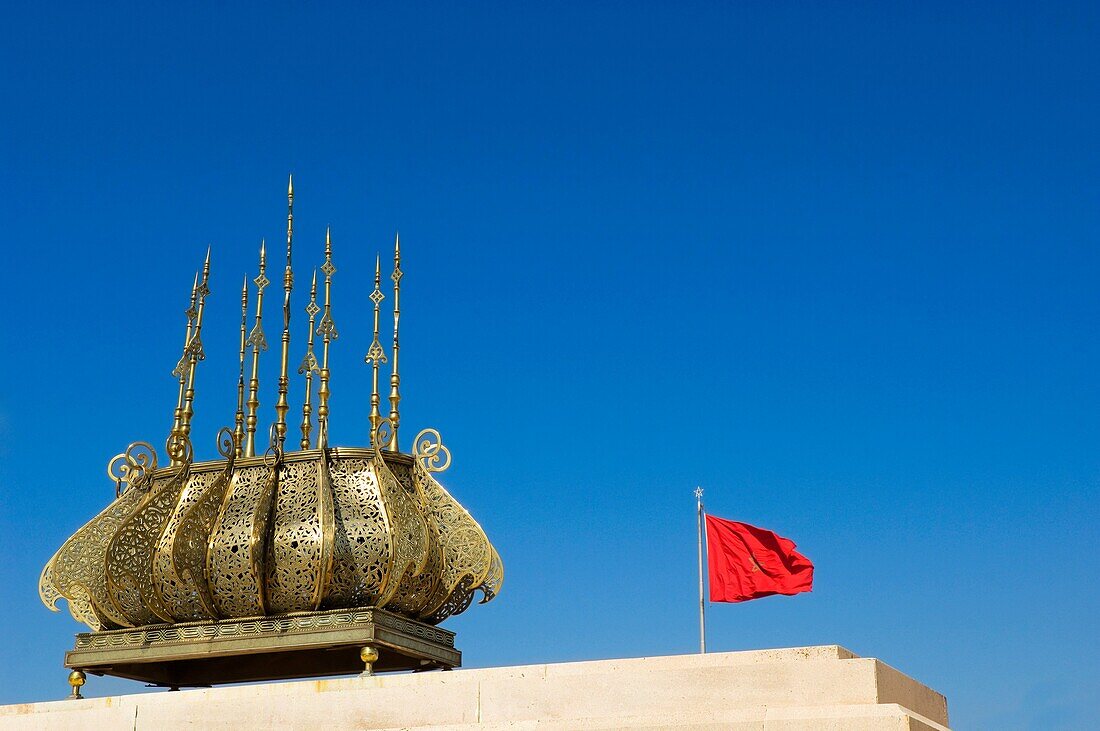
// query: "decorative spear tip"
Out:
[377,266]
[263,250]
[328,239]
[207,262]
[397,244]
[314,280]
[290,186]
[195,285]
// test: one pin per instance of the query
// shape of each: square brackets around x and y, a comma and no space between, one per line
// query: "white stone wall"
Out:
[790,690]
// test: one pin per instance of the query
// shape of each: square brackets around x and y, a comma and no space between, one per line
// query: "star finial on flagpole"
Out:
[698,493]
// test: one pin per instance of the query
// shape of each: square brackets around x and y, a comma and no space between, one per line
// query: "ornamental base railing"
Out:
[297,645]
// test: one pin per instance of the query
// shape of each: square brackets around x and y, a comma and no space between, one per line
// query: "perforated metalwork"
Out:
[492,583]
[184,591]
[47,592]
[408,530]
[325,529]
[361,543]
[130,551]
[80,605]
[467,553]
[78,569]
[298,560]
[457,602]
[416,590]
[234,563]
[191,541]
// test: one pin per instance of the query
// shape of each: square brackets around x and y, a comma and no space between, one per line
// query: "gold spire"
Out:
[309,365]
[395,377]
[238,431]
[327,331]
[282,406]
[258,342]
[195,351]
[180,370]
[375,355]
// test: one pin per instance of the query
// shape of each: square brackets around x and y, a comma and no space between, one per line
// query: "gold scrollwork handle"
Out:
[428,449]
[227,443]
[179,448]
[274,453]
[381,435]
[133,467]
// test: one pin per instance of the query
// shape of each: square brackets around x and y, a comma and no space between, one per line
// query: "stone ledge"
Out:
[770,690]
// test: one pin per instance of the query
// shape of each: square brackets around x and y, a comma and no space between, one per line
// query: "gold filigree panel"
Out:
[191,539]
[80,604]
[468,557]
[408,531]
[78,569]
[235,558]
[361,545]
[416,589]
[185,593]
[298,560]
[130,551]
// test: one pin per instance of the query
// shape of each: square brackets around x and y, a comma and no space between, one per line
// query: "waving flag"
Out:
[746,562]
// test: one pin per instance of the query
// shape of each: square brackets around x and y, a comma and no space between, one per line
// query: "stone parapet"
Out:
[767,690]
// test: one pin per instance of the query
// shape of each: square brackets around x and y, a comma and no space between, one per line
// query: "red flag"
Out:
[746,562]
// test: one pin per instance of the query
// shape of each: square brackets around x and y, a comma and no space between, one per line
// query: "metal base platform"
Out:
[298,645]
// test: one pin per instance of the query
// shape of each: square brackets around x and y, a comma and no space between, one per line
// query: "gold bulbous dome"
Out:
[336,528]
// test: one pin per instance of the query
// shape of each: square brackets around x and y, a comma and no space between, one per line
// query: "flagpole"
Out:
[702,604]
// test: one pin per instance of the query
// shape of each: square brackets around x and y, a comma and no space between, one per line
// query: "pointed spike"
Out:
[327,330]
[257,341]
[194,354]
[309,367]
[238,430]
[395,376]
[282,406]
[376,356]
[181,369]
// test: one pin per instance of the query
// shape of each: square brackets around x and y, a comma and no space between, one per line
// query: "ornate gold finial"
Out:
[180,370]
[309,365]
[282,406]
[327,330]
[395,377]
[240,544]
[258,342]
[238,431]
[179,451]
[375,355]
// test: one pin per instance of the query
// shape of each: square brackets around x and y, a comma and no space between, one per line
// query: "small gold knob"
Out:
[77,679]
[369,656]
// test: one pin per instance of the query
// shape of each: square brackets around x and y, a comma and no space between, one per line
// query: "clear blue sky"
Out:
[837,265]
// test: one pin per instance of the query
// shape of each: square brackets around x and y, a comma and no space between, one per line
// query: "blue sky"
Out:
[837,265]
